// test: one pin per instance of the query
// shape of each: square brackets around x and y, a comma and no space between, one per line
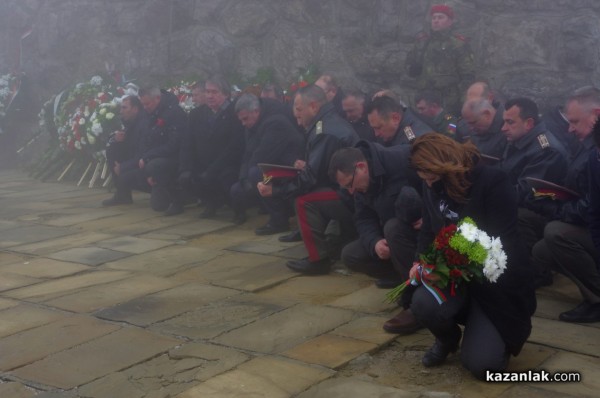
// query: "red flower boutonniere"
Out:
[160,122]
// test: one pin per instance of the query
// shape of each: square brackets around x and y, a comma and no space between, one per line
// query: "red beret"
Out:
[443,9]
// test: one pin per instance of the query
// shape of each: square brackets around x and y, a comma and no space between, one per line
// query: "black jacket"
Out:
[493,142]
[327,133]
[273,139]
[363,129]
[389,172]
[510,301]
[215,144]
[411,127]
[135,131]
[166,130]
[538,154]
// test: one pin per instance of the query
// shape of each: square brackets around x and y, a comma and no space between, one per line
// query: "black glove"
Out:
[546,207]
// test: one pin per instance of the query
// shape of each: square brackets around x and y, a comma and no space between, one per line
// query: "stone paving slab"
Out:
[22,317]
[30,234]
[95,359]
[367,328]
[329,350]
[44,268]
[131,244]
[261,377]
[15,390]
[143,226]
[195,228]
[130,216]
[166,261]
[73,219]
[60,287]
[88,255]
[37,343]
[296,252]
[285,329]
[255,247]
[216,318]
[157,307]
[567,336]
[250,272]
[317,290]
[370,299]
[348,387]
[109,294]
[167,375]
[9,280]
[589,368]
[7,303]
[58,244]
[10,258]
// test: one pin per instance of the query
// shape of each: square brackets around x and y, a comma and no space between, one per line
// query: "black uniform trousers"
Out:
[162,170]
[482,346]
[314,211]
[569,249]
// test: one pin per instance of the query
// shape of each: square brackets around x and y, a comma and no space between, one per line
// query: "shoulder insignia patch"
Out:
[543,141]
[319,127]
[409,133]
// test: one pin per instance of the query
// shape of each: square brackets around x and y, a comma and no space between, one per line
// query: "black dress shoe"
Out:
[269,229]
[585,312]
[387,283]
[403,323]
[115,201]
[307,267]
[437,354]
[294,236]
[174,209]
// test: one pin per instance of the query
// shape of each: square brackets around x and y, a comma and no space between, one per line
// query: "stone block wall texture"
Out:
[538,48]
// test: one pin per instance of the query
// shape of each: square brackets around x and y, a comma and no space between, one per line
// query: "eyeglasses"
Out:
[351,183]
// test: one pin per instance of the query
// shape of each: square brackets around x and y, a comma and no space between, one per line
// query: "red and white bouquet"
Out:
[459,254]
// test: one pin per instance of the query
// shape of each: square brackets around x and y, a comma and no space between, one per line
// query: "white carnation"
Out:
[82,121]
[110,115]
[96,81]
[91,139]
[96,129]
[469,231]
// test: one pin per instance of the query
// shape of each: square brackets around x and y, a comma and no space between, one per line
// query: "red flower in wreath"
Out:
[160,122]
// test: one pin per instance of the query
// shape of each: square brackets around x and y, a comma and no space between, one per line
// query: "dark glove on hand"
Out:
[544,207]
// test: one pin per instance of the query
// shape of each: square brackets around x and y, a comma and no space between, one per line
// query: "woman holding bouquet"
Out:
[496,315]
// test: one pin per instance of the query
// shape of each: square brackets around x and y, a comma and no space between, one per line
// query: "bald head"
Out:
[480,90]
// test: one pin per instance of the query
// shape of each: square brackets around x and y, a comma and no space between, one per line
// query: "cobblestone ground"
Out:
[125,303]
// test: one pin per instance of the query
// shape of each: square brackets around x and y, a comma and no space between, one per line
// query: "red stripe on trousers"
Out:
[307,236]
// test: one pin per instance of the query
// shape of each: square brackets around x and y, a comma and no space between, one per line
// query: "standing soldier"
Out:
[442,60]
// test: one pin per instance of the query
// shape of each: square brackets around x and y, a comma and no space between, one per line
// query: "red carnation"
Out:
[303,83]
[294,87]
[160,122]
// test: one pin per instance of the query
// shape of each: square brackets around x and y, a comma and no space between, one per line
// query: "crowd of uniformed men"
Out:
[370,217]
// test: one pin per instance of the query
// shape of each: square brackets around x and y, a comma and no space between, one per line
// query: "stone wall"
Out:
[538,48]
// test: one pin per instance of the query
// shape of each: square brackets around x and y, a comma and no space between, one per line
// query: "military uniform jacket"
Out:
[389,170]
[363,129]
[445,123]
[576,211]
[493,142]
[167,128]
[440,60]
[273,139]
[538,154]
[411,127]
[327,133]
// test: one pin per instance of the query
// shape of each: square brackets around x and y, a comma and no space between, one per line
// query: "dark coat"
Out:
[538,154]
[167,129]
[389,172]
[558,125]
[327,133]
[411,127]
[273,139]
[216,143]
[493,142]
[134,134]
[594,181]
[364,130]
[510,302]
